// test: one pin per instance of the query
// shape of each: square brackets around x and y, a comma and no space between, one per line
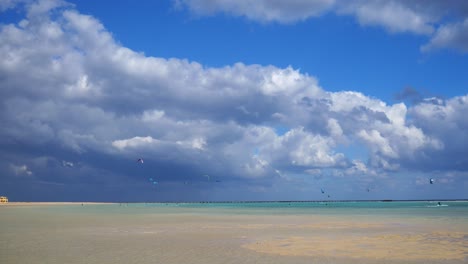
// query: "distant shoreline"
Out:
[220,202]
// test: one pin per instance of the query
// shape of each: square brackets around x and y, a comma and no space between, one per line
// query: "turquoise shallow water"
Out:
[257,232]
[409,208]
[302,204]
[321,204]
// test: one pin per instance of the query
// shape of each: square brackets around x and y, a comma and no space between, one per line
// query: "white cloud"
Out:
[196,143]
[348,101]
[134,142]
[82,87]
[305,149]
[396,16]
[289,82]
[152,115]
[382,128]
[256,167]
[378,143]
[261,10]
[453,35]
[39,8]
[7,4]
[334,128]
[358,167]
[446,124]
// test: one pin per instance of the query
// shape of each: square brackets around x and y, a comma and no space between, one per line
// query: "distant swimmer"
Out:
[140,160]
[439,204]
[431,181]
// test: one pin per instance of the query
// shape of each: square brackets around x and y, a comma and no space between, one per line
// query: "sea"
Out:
[236,232]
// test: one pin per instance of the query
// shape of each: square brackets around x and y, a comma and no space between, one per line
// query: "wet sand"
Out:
[46,233]
[433,246]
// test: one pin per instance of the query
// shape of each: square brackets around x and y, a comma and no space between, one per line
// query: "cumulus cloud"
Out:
[308,150]
[71,90]
[396,16]
[444,120]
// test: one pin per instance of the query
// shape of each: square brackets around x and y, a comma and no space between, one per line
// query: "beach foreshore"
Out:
[42,232]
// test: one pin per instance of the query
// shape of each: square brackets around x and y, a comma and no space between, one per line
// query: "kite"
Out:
[67,164]
[153,181]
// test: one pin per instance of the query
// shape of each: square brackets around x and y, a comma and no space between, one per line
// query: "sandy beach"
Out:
[113,233]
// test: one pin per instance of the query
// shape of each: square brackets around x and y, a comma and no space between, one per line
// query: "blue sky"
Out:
[273,100]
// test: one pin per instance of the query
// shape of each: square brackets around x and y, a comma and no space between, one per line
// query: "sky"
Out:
[233,100]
